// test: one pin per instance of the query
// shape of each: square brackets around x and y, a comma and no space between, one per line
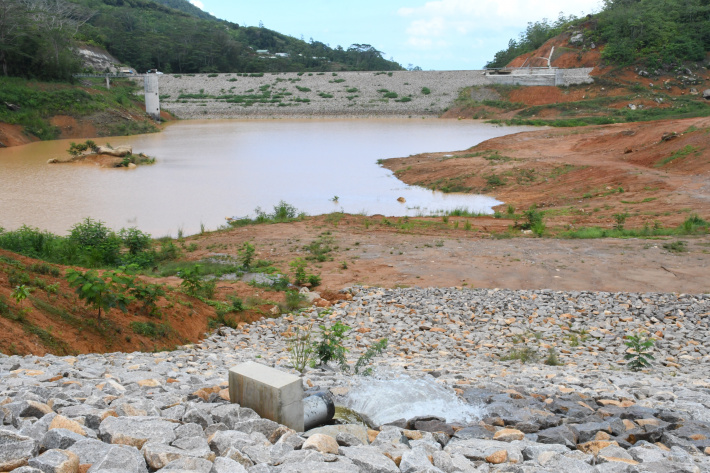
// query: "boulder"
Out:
[369,459]
[120,458]
[59,439]
[322,443]
[136,431]
[119,152]
[225,465]
[56,461]
[15,450]
[706,94]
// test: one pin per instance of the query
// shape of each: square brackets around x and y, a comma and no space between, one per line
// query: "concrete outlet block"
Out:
[271,393]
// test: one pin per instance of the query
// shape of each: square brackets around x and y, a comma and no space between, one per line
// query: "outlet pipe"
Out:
[318,410]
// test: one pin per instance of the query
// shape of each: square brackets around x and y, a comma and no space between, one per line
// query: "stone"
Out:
[158,455]
[223,440]
[354,430]
[479,449]
[61,422]
[706,94]
[497,457]
[15,449]
[345,439]
[119,458]
[563,435]
[56,461]
[370,460]
[508,435]
[59,439]
[322,443]
[273,394]
[225,465]
[136,431]
[414,461]
[188,465]
[595,446]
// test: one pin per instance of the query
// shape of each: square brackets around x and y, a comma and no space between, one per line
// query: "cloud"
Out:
[463,20]
[198,4]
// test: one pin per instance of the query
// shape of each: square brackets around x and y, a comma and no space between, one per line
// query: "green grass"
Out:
[692,225]
[680,154]
[283,213]
[151,329]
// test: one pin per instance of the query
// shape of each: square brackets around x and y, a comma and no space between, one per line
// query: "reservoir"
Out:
[212,169]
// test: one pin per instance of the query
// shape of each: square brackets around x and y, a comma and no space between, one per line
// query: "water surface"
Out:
[212,169]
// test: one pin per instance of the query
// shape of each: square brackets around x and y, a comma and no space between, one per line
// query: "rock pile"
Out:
[169,412]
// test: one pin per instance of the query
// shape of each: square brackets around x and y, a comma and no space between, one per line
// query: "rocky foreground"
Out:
[169,412]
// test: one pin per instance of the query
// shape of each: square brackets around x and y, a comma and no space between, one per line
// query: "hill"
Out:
[175,36]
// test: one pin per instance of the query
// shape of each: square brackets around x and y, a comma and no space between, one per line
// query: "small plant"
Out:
[678,246]
[294,300]
[20,293]
[299,270]
[335,199]
[194,285]
[638,353]
[314,280]
[344,265]
[426,90]
[330,347]
[101,292]
[247,254]
[620,219]
[300,347]
[366,358]
[552,358]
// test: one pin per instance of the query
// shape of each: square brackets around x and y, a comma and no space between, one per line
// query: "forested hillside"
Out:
[38,39]
[652,31]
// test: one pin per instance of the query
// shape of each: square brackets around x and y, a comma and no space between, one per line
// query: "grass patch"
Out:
[39,101]
[680,154]
[283,213]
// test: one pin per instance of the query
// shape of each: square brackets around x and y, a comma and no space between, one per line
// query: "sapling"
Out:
[638,354]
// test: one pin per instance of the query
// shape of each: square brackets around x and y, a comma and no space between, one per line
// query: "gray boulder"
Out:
[136,431]
[369,460]
[56,461]
[225,465]
[120,458]
[60,439]
[15,449]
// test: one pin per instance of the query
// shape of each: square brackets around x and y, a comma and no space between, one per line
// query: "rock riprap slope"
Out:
[168,411]
[313,94]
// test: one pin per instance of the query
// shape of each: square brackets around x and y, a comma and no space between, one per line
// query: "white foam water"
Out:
[382,400]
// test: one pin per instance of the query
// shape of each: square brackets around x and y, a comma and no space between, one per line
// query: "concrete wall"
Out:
[550,77]
[152,96]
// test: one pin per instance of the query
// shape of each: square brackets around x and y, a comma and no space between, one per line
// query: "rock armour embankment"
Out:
[341,94]
[167,412]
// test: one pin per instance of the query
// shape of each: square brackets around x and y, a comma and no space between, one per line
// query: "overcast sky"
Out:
[434,35]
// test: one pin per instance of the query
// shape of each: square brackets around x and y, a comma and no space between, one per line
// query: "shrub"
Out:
[426,91]
[135,240]
[300,348]
[638,353]
[98,242]
[299,270]
[330,346]
[101,292]
[247,255]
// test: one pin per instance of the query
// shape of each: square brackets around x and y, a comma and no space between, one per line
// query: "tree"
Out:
[13,28]
[101,292]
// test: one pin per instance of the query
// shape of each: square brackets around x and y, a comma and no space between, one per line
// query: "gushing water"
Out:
[385,400]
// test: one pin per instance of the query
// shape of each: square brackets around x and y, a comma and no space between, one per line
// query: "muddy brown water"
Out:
[209,170]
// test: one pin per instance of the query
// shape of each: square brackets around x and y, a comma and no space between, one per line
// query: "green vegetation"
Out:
[638,353]
[101,292]
[692,225]
[681,153]
[658,31]
[38,102]
[282,213]
[89,244]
